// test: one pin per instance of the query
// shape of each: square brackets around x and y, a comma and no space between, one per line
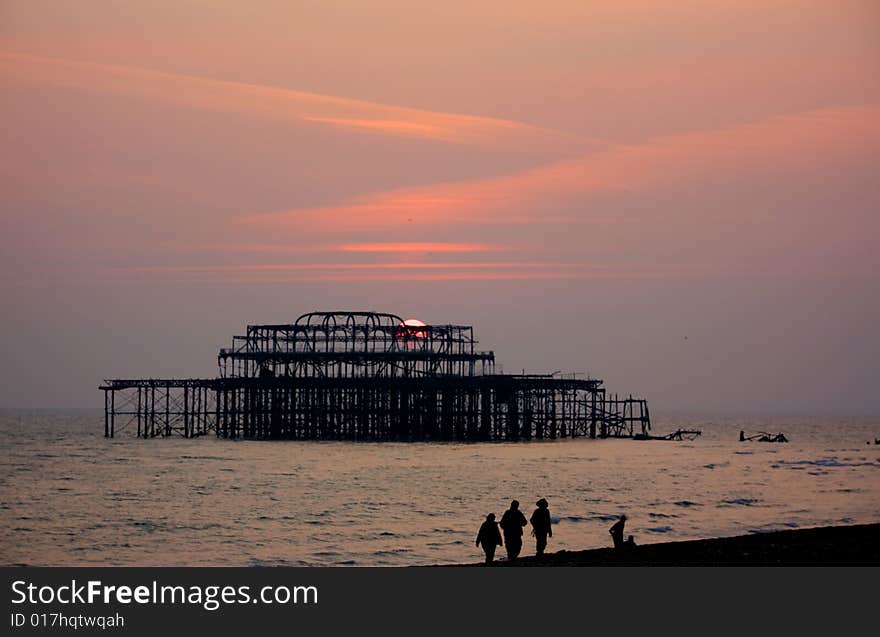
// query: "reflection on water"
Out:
[70,497]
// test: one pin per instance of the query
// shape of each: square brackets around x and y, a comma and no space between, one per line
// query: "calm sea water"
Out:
[70,497]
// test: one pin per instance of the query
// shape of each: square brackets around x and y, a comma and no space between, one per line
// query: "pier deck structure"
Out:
[367,376]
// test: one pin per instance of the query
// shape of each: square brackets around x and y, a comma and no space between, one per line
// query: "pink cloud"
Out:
[417,247]
[783,143]
[385,271]
[280,103]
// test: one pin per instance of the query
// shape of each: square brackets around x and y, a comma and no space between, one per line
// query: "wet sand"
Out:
[852,545]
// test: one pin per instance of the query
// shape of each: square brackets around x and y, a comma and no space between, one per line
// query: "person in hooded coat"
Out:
[512,523]
[541,529]
[489,537]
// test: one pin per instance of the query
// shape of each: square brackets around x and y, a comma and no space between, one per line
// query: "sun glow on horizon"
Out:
[410,328]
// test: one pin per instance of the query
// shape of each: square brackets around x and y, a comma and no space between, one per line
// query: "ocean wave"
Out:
[256,561]
[149,525]
[746,502]
[185,457]
[828,462]
[770,528]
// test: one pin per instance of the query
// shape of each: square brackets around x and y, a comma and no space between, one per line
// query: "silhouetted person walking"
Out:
[540,521]
[512,523]
[616,532]
[489,537]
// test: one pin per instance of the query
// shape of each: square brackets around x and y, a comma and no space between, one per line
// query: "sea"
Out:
[69,496]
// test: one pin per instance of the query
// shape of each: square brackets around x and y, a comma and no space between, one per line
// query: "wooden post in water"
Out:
[106,414]
[167,409]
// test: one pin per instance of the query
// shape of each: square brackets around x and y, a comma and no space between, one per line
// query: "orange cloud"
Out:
[217,95]
[776,144]
[268,267]
[446,276]
[416,247]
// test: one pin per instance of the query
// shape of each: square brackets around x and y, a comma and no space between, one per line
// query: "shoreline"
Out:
[857,544]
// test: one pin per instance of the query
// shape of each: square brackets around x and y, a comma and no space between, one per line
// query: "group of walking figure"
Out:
[513,522]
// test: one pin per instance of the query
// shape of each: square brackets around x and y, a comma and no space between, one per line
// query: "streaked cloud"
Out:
[417,247]
[195,92]
[556,193]
[388,271]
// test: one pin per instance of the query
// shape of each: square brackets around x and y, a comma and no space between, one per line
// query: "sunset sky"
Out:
[586,182]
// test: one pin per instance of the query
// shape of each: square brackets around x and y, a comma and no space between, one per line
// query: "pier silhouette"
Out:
[367,376]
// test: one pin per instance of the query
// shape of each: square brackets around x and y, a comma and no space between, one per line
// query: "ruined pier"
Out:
[367,376]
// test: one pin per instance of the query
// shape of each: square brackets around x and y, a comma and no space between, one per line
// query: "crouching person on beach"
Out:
[616,532]
[489,537]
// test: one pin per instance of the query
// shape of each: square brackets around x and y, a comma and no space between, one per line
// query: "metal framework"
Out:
[367,376]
